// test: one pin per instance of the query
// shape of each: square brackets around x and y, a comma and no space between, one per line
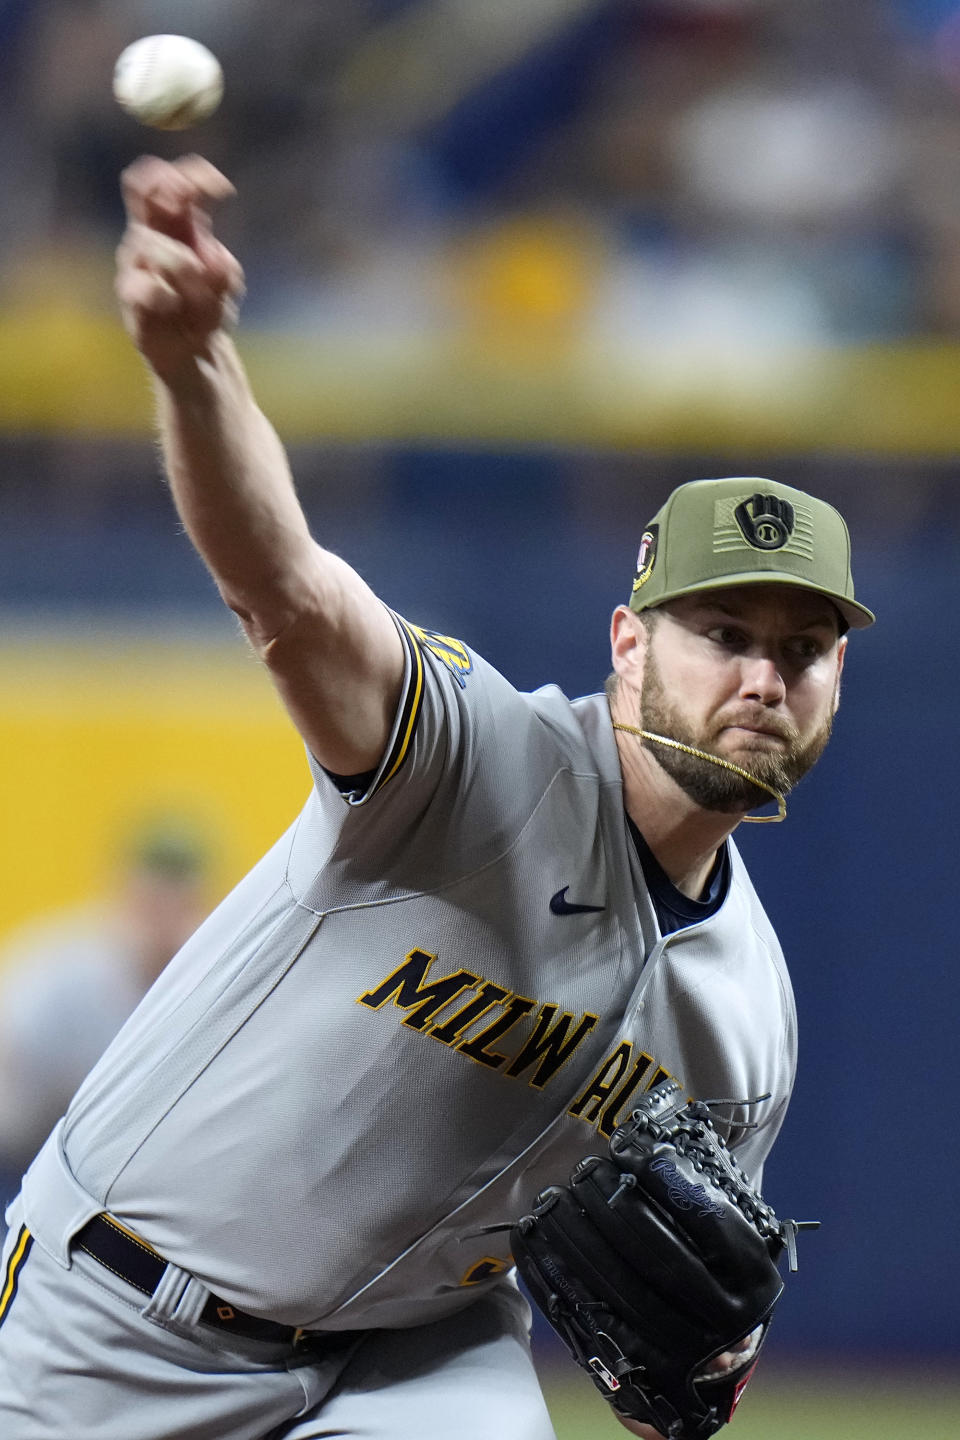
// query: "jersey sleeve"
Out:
[358,789]
[467,759]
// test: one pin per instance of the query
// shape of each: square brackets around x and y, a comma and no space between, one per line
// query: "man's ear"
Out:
[841,656]
[628,645]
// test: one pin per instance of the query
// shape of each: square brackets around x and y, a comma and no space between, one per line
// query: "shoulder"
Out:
[581,727]
[463,715]
[748,919]
[759,919]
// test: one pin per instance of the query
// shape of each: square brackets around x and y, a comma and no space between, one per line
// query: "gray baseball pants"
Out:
[82,1357]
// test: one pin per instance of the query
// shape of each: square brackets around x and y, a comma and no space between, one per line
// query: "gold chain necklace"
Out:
[724,765]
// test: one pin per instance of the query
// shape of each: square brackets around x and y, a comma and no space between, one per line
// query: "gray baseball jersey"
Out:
[428,1000]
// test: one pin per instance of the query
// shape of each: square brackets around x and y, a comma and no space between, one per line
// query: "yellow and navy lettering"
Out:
[405,987]
[450,652]
[476,1049]
[550,1040]
[548,1047]
[602,1101]
[452,1030]
[15,1264]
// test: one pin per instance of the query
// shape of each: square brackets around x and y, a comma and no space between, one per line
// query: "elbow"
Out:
[271,611]
[259,624]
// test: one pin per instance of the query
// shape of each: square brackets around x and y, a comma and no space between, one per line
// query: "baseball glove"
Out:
[657,1267]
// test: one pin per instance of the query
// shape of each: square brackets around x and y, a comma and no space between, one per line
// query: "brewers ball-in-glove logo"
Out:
[765,521]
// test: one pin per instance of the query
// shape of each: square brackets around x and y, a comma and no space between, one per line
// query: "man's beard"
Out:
[711,786]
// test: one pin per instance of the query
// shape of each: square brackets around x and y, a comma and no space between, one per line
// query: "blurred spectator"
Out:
[707,139]
[68,982]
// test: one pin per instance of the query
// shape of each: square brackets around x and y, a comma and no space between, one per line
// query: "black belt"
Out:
[140,1265]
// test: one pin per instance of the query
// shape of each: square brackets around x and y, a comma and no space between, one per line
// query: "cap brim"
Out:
[857,616]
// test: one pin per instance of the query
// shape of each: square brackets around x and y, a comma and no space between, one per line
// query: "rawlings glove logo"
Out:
[683,1193]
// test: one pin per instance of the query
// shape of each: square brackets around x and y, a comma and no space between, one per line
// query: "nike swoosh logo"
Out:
[560,905]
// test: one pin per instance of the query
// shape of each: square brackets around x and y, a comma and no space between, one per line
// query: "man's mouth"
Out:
[756,731]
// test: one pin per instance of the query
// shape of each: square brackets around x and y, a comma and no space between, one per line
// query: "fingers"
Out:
[224,269]
[176,282]
[207,179]
[174,197]
[151,263]
[172,200]
[143,295]
[169,185]
[646,1432]
[170,293]
[736,1357]
[192,270]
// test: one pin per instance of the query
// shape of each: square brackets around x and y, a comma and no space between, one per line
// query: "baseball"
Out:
[168,81]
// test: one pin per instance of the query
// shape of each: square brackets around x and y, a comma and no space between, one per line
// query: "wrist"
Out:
[193,378]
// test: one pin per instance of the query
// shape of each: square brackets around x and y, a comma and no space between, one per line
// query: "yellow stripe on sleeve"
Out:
[411,708]
[20,1252]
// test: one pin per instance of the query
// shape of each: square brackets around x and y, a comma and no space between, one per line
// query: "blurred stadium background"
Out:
[516,268]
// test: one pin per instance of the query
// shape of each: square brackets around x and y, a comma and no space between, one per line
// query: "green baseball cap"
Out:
[745,531]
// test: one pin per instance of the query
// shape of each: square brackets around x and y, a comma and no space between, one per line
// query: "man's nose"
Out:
[760,680]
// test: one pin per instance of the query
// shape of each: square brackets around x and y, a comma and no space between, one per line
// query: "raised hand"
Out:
[177,284]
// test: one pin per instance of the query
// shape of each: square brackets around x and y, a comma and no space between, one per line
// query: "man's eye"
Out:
[804,648]
[726,635]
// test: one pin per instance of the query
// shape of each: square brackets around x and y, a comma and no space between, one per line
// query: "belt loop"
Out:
[173,1297]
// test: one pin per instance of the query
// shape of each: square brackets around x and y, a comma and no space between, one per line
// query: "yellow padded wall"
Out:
[98,736]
